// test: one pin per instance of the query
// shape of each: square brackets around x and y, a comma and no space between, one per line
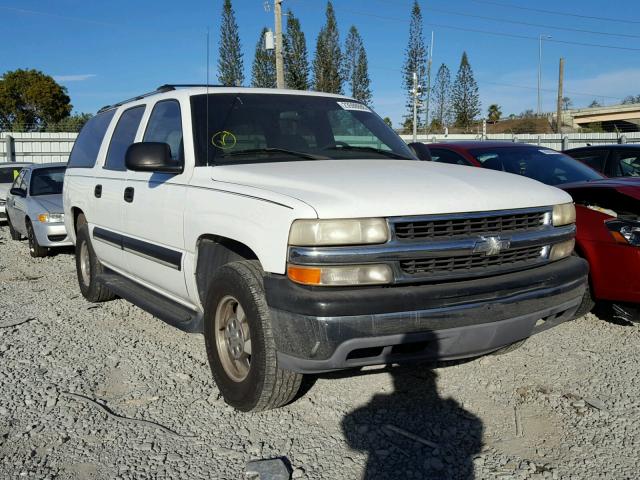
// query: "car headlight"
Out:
[344,275]
[358,231]
[51,217]
[564,214]
[562,249]
[625,231]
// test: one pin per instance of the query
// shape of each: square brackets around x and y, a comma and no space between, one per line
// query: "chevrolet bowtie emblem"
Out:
[490,246]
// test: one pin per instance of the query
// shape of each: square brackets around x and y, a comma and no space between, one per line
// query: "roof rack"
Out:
[161,89]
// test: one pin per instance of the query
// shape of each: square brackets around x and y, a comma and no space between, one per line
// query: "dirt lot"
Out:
[107,391]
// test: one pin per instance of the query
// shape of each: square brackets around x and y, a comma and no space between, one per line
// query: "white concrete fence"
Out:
[55,147]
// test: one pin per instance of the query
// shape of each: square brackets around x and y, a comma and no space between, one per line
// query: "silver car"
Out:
[34,208]
[8,173]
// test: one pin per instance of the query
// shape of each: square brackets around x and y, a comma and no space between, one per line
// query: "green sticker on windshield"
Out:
[224,140]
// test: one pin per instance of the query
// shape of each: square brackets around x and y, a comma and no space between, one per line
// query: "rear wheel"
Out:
[88,267]
[240,344]
[15,235]
[34,247]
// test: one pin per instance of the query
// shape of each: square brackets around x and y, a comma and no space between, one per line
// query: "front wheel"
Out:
[240,344]
[34,247]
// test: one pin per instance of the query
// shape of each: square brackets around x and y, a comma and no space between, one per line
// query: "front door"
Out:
[153,213]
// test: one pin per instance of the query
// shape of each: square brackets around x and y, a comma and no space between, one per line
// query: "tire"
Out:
[586,305]
[91,289]
[510,348]
[15,235]
[35,250]
[237,317]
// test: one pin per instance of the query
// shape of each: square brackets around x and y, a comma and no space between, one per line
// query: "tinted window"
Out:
[447,156]
[8,175]
[542,164]
[85,149]
[47,181]
[627,164]
[594,158]
[165,125]
[251,127]
[123,136]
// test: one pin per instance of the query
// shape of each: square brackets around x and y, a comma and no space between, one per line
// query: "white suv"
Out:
[300,235]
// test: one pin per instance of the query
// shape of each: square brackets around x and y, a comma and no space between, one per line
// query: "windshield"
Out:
[542,164]
[46,181]
[252,127]
[9,174]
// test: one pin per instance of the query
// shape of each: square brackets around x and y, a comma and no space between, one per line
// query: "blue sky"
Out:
[107,51]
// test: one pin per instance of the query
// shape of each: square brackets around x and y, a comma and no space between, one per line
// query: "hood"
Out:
[627,186]
[384,188]
[51,203]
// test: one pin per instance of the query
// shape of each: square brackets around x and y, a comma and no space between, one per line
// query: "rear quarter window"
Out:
[86,147]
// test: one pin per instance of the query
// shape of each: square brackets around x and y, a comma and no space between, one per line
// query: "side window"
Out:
[596,159]
[123,136]
[165,125]
[447,156]
[627,164]
[86,147]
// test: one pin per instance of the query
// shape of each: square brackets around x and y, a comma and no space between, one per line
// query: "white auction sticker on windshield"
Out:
[354,106]
[549,152]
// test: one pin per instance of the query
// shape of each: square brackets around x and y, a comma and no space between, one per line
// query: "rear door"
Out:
[109,189]
[153,243]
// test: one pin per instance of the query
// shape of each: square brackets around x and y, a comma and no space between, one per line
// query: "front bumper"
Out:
[51,234]
[323,329]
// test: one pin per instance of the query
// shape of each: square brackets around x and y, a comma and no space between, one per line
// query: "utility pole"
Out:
[277,9]
[427,126]
[415,106]
[540,38]
[560,94]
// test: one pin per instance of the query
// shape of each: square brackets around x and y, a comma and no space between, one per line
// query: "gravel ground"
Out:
[564,406]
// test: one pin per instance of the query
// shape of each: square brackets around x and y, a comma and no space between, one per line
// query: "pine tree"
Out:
[355,67]
[465,99]
[263,72]
[442,97]
[415,61]
[327,62]
[296,64]
[230,64]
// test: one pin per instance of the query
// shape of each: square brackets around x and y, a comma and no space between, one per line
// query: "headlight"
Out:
[342,275]
[625,231]
[358,231]
[564,214]
[562,249]
[51,217]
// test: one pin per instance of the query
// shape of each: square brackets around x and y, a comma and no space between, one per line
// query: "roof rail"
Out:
[161,89]
[173,86]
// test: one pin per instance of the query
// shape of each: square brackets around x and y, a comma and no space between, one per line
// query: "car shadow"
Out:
[411,431]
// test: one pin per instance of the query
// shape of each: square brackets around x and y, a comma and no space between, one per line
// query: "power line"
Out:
[530,24]
[487,32]
[555,12]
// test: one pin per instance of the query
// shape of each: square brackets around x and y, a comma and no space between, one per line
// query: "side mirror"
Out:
[421,151]
[151,157]
[18,192]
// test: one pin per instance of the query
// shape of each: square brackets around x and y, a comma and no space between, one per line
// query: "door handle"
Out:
[128,194]
[97,191]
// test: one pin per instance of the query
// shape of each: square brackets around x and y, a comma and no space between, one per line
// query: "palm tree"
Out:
[494,113]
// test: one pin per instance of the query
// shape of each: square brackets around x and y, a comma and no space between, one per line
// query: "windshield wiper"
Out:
[269,150]
[386,153]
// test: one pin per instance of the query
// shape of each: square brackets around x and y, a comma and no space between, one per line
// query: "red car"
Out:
[608,212]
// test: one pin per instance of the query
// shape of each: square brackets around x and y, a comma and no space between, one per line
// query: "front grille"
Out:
[439,229]
[454,265]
